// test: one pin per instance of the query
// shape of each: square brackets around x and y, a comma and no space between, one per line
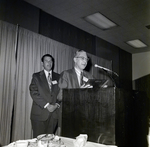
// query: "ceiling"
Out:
[131,16]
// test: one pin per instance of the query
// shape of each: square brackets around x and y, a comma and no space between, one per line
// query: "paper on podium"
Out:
[98,82]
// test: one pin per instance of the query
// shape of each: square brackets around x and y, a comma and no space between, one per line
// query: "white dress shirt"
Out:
[78,72]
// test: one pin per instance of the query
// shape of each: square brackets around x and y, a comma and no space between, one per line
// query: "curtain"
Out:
[7,78]
[30,48]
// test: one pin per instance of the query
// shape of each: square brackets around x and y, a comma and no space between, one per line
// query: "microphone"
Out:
[102,67]
[106,69]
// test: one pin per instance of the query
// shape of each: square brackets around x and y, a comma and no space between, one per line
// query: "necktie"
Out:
[81,79]
[49,81]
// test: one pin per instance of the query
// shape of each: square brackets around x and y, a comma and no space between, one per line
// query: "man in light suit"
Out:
[73,78]
[44,91]
[76,77]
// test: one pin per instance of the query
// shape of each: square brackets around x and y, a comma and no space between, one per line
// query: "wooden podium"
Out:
[107,115]
[99,113]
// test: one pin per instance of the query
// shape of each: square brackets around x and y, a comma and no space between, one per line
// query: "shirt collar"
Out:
[46,72]
[77,71]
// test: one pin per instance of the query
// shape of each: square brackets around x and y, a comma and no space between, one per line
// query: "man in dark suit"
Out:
[76,77]
[44,90]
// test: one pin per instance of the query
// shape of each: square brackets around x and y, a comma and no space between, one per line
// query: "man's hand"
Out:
[86,86]
[51,108]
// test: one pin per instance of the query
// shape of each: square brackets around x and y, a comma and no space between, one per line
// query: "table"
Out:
[68,142]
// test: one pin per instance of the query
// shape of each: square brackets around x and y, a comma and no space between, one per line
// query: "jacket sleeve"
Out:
[63,82]
[35,94]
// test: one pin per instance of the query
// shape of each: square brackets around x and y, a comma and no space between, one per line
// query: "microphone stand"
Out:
[110,72]
[110,76]
[106,70]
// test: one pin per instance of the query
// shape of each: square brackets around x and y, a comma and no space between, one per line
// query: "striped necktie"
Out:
[81,79]
[49,81]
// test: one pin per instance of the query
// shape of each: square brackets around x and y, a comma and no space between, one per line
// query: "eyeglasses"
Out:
[83,58]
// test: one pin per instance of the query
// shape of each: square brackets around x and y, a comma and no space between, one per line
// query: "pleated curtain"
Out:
[7,78]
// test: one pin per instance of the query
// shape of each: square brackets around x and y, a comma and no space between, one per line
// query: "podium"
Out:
[99,113]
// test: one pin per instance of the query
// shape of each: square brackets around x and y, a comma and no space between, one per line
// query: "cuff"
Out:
[46,105]
[58,106]
[58,102]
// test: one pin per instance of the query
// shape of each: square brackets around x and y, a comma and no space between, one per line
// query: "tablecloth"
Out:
[68,142]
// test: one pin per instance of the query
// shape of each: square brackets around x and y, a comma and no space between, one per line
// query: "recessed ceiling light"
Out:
[136,43]
[100,21]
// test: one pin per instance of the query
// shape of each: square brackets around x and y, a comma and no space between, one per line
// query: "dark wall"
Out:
[125,69]
[109,52]
[142,107]
[63,32]
[121,62]
[143,85]
[21,13]
[141,117]
[34,19]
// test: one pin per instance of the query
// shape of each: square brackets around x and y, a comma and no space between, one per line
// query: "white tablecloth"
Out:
[68,142]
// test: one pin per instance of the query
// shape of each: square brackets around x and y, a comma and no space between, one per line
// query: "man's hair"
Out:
[77,52]
[47,55]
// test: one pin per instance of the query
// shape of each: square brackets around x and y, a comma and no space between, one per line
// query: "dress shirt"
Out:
[78,72]
[46,74]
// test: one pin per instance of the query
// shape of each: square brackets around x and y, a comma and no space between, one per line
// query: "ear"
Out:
[75,59]
[42,64]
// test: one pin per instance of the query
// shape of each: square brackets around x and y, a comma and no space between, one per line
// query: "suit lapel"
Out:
[75,78]
[54,78]
[44,80]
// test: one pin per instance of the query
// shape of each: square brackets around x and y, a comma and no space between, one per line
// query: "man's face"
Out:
[81,60]
[47,63]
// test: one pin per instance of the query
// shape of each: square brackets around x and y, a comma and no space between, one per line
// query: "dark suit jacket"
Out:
[68,78]
[41,95]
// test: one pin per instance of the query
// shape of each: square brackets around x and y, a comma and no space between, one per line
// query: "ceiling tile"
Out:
[131,16]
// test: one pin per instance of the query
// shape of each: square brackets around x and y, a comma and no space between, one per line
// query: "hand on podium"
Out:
[86,86]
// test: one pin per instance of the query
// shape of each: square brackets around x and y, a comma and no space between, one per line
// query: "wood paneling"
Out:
[90,112]
[125,69]
[63,32]
[103,114]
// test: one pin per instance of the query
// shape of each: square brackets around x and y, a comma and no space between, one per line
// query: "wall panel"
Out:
[61,31]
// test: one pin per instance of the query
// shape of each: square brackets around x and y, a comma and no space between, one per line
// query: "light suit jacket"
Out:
[68,79]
